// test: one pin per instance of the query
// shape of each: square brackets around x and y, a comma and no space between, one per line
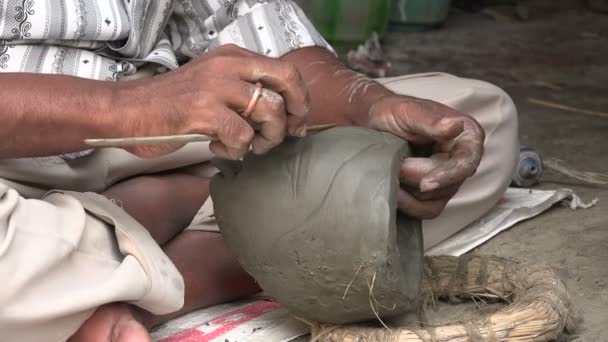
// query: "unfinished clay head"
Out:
[315,222]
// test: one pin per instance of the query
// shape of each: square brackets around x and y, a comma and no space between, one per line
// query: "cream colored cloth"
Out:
[64,254]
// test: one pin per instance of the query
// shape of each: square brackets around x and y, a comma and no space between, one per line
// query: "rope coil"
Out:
[538,306]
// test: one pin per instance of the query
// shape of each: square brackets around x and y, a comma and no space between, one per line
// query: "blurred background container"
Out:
[347,23]
[418,15]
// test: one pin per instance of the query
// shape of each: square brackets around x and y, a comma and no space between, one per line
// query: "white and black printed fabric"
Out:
[107,39]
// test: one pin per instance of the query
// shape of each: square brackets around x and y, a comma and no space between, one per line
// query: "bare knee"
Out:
[163,204]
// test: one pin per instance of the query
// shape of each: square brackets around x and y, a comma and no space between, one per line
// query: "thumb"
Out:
[437,130]
[418,121]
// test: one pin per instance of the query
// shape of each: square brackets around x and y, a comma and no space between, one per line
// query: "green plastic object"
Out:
[347,23]
[418,15]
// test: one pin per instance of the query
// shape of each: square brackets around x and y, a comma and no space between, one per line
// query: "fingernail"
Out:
[302,131]
[426,186]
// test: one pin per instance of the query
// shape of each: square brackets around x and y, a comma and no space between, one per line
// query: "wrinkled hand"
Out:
[207,96]
[454,140]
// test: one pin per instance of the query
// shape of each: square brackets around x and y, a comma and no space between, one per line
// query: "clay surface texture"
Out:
[315,223]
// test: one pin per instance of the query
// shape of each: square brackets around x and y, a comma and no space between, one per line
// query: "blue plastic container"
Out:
[529,168]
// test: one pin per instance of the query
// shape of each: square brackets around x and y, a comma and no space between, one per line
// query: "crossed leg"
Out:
[165,205]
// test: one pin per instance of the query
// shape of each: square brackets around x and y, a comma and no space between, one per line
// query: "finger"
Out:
[419,209]
[222,151]
[297,126]
[271,119]
[268,116]
[422,121]
[414,169]
[435,130]
[281,77]
[445,193]
[269,105]
[434,120]
[465,156]
[233,132]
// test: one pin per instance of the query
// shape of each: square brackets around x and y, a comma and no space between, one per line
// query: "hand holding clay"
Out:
[456,141]
[210,95]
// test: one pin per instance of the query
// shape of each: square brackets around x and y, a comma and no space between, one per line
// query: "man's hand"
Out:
[207,96]
[448,144]
[454,145]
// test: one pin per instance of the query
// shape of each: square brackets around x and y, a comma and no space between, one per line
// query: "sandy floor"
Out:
[567,49]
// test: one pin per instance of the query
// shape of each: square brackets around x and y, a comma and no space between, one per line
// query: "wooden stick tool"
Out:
[170,139]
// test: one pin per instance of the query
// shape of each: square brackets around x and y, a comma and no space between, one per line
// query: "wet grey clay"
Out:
[315,223]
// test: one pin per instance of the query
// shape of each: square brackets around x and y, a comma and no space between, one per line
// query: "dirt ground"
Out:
[568,50]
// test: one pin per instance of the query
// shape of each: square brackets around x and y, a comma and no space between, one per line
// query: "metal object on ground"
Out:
[529,168]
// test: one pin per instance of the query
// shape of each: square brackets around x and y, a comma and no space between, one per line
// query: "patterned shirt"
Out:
[107,39]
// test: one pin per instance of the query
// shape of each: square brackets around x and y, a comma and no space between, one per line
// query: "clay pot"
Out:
[315,223]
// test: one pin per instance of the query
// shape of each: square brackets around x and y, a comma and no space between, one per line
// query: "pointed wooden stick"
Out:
[170,139]
[141,141]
